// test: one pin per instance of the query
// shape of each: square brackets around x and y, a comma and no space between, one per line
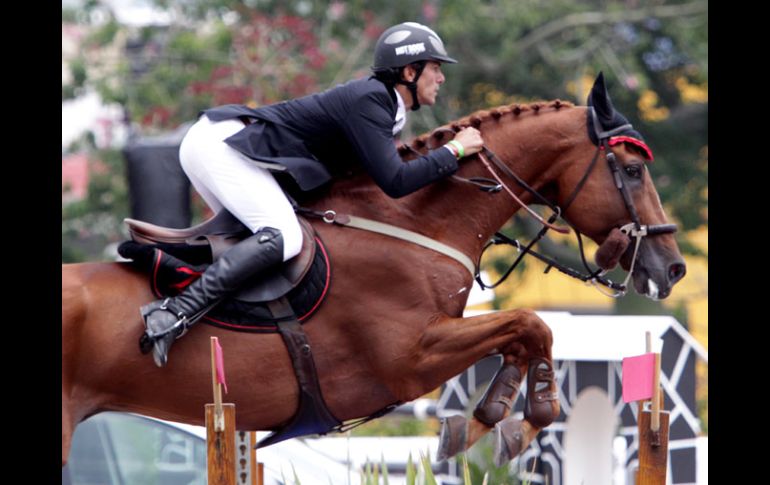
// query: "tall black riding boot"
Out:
[166,320]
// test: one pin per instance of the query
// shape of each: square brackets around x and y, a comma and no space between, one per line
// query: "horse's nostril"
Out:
[676,272]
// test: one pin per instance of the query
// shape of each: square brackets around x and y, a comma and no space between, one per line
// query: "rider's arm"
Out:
[370,131]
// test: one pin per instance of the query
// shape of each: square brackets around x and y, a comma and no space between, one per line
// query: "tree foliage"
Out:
[91,224]
[654,54]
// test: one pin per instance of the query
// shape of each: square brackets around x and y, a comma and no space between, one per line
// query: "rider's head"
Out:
[400,57]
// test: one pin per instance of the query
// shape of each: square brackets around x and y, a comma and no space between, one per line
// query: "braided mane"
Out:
[477,118]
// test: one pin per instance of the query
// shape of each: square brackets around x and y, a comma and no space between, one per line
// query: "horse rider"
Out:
[307,138]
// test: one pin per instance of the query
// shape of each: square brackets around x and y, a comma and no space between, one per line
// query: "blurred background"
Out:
[135,73]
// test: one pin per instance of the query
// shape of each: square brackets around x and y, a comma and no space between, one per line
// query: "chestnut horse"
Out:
[391,327]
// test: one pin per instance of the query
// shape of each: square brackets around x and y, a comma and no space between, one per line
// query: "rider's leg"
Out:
[174,315]
[225,178]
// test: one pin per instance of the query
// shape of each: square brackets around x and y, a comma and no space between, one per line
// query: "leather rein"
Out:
[635,229]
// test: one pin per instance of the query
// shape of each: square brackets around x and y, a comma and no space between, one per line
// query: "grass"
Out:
[477,469]
[421,473]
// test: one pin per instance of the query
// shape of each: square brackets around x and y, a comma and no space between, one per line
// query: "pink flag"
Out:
[638,374]
[219,362]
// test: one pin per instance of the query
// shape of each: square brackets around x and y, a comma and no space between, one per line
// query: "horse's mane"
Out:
[477,118]
[422,143]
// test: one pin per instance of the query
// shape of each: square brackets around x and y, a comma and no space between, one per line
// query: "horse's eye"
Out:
[634,171]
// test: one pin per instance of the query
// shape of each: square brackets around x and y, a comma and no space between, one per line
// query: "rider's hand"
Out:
[470,139]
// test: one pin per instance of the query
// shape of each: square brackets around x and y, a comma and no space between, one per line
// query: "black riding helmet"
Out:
[404,44]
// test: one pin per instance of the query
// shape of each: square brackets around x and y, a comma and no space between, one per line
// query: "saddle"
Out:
[220,233]
[174,258]
[297,288]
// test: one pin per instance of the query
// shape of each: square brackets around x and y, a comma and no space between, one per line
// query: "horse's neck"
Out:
[460,214]
[533,146]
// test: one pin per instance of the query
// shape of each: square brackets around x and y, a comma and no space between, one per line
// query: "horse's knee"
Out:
[539,330]
[546,337]
[532,337]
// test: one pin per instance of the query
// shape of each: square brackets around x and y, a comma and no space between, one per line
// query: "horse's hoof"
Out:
[453,437]
[540,409]
[509,440]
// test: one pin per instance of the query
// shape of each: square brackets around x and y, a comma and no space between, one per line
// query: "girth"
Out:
[312,416]
[221,232]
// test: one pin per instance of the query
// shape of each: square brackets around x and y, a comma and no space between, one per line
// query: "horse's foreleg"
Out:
[501,393]
[458,433]
[527,352]
[512,436]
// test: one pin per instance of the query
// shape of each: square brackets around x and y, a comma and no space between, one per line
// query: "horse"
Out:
[391,328]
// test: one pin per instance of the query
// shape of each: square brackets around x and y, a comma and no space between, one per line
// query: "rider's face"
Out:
[428,84]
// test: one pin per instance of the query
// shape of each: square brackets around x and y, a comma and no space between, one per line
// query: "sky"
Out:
[130,12]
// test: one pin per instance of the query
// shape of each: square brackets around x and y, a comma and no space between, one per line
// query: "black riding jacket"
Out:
[323,135]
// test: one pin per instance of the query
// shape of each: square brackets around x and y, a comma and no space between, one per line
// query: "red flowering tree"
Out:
[260,59]
[272,58]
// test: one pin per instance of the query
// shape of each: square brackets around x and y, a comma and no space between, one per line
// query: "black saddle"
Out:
[222,232]
[174,258]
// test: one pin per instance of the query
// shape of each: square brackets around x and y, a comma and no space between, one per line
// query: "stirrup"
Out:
[148,338]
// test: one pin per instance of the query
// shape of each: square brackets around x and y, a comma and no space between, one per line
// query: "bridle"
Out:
[635,229]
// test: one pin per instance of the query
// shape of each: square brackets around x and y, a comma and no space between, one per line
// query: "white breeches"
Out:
[226,178]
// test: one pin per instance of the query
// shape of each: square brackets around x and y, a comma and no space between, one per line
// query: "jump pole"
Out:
[220,431]
[653,433]
[232,455]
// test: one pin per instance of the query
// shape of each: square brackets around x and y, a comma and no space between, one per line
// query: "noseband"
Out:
[635,229]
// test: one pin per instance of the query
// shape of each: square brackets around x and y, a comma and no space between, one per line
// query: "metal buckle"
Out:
[329,216]
[182,321]
[631,230]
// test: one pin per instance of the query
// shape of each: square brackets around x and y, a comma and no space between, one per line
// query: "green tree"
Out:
[89,225]
[654,54]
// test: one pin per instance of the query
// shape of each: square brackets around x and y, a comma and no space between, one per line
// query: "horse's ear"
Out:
[599,98]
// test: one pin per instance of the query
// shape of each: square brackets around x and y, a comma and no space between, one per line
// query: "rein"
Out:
[488,166]
[592,276]
[634,229]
